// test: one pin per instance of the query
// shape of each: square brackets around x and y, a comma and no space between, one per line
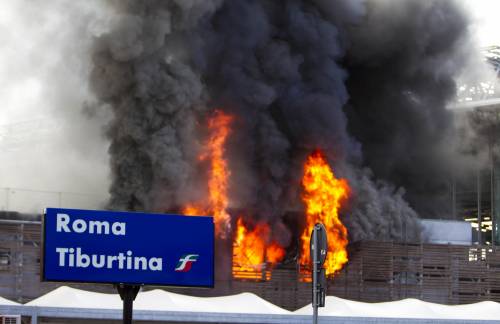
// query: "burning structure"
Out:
[242,109]
[286,78]
[165,68]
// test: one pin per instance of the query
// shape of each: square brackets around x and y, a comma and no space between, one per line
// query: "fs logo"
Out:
[185,262]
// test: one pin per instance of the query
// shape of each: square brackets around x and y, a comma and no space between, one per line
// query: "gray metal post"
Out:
[454,198]
[492,196]
[315,276]
[479,216]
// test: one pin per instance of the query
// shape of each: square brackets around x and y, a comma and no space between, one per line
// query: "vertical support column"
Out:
[19,263]
[454,198]
[479,218]
[496,203]
[421,272]
[492,196]
[451,277]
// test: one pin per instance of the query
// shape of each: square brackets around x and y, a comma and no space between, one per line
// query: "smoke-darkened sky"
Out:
[369,86]
[51,144]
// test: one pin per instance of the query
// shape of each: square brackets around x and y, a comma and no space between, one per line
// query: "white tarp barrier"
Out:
[6,302]
[241,303]
[406,308]
[247,303]
[76,298]
[158,300]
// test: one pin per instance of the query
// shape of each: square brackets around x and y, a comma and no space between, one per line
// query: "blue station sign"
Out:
[127,247]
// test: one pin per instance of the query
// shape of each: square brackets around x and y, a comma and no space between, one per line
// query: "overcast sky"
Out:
[46,142]
[486,22]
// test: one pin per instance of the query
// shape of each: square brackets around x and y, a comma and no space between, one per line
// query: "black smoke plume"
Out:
[367,82]
[402,71]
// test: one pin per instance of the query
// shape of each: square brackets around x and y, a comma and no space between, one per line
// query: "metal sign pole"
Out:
[127,294]
[314,248]
[319,250]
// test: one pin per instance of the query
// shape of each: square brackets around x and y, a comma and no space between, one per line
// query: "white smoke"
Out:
[47,142]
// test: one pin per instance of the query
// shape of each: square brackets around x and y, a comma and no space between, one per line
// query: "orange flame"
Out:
[274,252]
[323,195]
[251,251]
[219,127]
